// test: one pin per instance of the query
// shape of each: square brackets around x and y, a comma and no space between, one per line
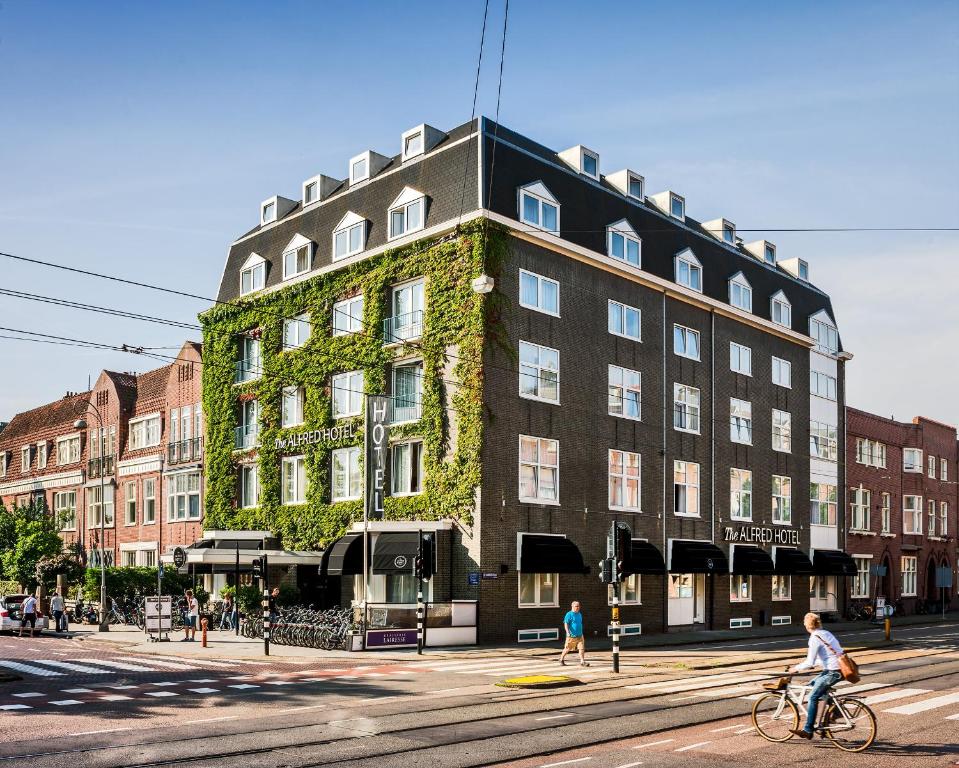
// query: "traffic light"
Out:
[424,565]
[606,570]
[623,546]
[418,567]
[257,568]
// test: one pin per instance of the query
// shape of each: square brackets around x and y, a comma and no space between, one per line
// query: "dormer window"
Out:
[407,213]
[740,292]
[581,160]
[252,274]
[780,310]
[538,207]
[419,140]
[824,333]
[803,270]
[729,233]
[413,145]
[689,271]
[721,229]
[359,169]
[769,253]
[311,192]
[269,212]
[629,183]
[275,208]
[349,237]
[635,187]
[623,243]
[677,207]
[591,164]
[296,257]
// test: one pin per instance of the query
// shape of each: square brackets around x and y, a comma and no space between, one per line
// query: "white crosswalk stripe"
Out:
[904,693]
[126,666]
[925,705]
[160,663]
[30,669]
[75,667]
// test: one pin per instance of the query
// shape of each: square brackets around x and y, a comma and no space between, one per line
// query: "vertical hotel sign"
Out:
[377,440]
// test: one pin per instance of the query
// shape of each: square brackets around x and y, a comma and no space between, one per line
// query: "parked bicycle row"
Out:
[304,627]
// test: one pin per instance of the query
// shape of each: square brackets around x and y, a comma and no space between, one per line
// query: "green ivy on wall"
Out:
[455,325]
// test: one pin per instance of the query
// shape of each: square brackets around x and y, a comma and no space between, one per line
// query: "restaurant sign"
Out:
[756,534]
[330,434]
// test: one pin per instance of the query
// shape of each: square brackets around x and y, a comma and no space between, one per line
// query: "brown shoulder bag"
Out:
[848,668]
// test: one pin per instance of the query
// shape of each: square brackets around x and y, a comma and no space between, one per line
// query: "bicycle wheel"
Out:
[775,716]
[849,724]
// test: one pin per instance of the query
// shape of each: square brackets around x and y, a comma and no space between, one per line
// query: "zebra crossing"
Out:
[52,668]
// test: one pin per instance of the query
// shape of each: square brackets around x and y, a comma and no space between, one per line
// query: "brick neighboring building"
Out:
[148,459]
[903,506]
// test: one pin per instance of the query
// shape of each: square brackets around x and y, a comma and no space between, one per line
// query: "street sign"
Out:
[943,577]
[179,557]
[257,568]
[158,614]
[473,578]
[377,441]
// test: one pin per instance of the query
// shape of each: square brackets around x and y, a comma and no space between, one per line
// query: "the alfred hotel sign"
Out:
[758,534]
[315,436]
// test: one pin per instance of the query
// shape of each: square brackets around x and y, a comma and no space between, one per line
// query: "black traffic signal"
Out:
[257,568]
[606,570]
[424,565]
[623,547]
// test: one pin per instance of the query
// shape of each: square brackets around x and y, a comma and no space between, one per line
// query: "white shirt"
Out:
[56,603]
[819,655]
[193,608]
[29,605]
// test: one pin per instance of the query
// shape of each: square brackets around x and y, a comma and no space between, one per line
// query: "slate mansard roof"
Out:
[588,207]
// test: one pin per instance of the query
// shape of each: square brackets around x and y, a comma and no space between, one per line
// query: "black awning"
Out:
[751,561]
[549,554]
[345,556]
[793,562]
[697,557]
[644,558]
[395,552]
[833,562]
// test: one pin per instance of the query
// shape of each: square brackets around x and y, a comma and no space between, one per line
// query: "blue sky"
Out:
[138,139]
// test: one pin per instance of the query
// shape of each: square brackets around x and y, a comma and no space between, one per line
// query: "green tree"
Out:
[34,538]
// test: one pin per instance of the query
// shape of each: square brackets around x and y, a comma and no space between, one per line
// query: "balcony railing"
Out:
[406,408]
[245,436]
[246,370]
[181,451]
[100,466]
[400,328]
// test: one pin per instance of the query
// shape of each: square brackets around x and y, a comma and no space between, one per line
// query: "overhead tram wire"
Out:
[479,65]
[499,92]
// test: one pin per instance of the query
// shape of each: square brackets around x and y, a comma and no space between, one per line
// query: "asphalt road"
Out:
[88,704]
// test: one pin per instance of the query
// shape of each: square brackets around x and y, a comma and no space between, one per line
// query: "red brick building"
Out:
[142,469]
[903,507]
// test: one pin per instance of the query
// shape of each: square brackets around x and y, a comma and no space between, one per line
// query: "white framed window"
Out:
[630,591]
[689,271]
[407,213]
[912,514]
[268,212]
[408,305]
[252,275]
[65,510]
[780,310]
[686,342]
[407,469]
[291,412]
[347,477]
[822,385]
[740,588]
[782,431]
[625,393]
[42,455]
[538,207]
[249,486]
[823,441]
[145,432]
[822,504]
[931,531]
[297,257]
[183,496]
[782,500]
[623,244]
[825,336]
[296,331]
[68,450]
[634,186]
[249,366]
[348,316]
[130,503]
[538,590]
[769,253]
[677,207]
[624,321]
[870,452]
[740,291]
[909,570]
[782,372]
[407,392]
[740,359]
[943,470]
[625,480]
[538,292]
[686,489]
[413,143]
[685,408]
[294,478]
[248,426]
[359,168]
[347,394]
[25,462]
[149,500]
[311,191]
[860,582]
[740,421]
[538,372]
[4,460]
[94,507]
[349,236]
[912,460]
[943,518]
[859,507]
[885,507]
[931,463]
[740,494]
[782,587]
[538,470]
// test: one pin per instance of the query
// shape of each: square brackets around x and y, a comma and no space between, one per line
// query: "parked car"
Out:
[10,614]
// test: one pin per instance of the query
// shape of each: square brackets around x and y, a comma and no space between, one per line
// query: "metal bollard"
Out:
[888,624]
[204,622]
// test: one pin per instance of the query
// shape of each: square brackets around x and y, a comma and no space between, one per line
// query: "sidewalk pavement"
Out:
[224,644]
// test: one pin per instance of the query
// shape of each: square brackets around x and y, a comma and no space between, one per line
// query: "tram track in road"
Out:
[395,736]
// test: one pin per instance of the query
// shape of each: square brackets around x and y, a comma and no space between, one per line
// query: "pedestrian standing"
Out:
[226,618]
[58,608]
[28,614]
[191,618]
[573,623]
[274,611]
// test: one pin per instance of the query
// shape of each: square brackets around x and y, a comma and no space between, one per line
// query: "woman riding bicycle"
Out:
[824,651]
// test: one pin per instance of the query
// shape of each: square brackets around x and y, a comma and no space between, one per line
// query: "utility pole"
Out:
[418,572]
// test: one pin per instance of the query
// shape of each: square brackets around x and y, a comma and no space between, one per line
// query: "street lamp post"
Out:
[82,424]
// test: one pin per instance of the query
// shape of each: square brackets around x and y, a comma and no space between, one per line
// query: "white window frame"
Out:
[824,334]
[683,334]
[407,199]
[350,472]
[414,406]
[297,329]
[912,515]
[686,261]
[293,468]
[682,405]
[129,503]
[823,441]
[42,455]
[296,394]
[346,382]
[822,385]
[931,465]
[297,245]
[635,177]
[540,279]
[782,504]
[623,391]
[736,583]
[537,590]
[859,509]
[859,587]
[255,266]
[61,506]
[780,594]
[740,359]
[885,511]
[740,494]
[345,311]
[943,518]
[536,367]
[943,469]
[538,465]
[782,431]
[621,479]
[351,223]
[818,505]
[149,500]
[175,493]
[908,566]
[403,485]
[740,291]
[740,420]
[916,464]
[140,428]
[94,506]
[631,585]
[780,305]
[254,471]
[623,232]
[624,311]
[26,461]
[782,372]
[931,524]
[686,480]
[538,193]
[681,201]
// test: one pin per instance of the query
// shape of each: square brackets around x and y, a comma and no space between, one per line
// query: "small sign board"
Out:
[391,638]
[179,557]
[943,577]
[474,578]
[158,614]
[489,576]
[877,570]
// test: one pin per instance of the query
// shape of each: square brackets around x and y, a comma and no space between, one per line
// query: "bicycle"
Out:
[846,721]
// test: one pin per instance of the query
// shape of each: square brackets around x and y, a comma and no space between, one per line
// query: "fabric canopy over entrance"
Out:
[751,561]
[644,558]
[832,562]
[396,552]
[697,557]
[793,562]
[549,554]
[345,556]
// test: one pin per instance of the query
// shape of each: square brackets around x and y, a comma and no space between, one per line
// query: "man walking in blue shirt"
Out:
[573,623]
